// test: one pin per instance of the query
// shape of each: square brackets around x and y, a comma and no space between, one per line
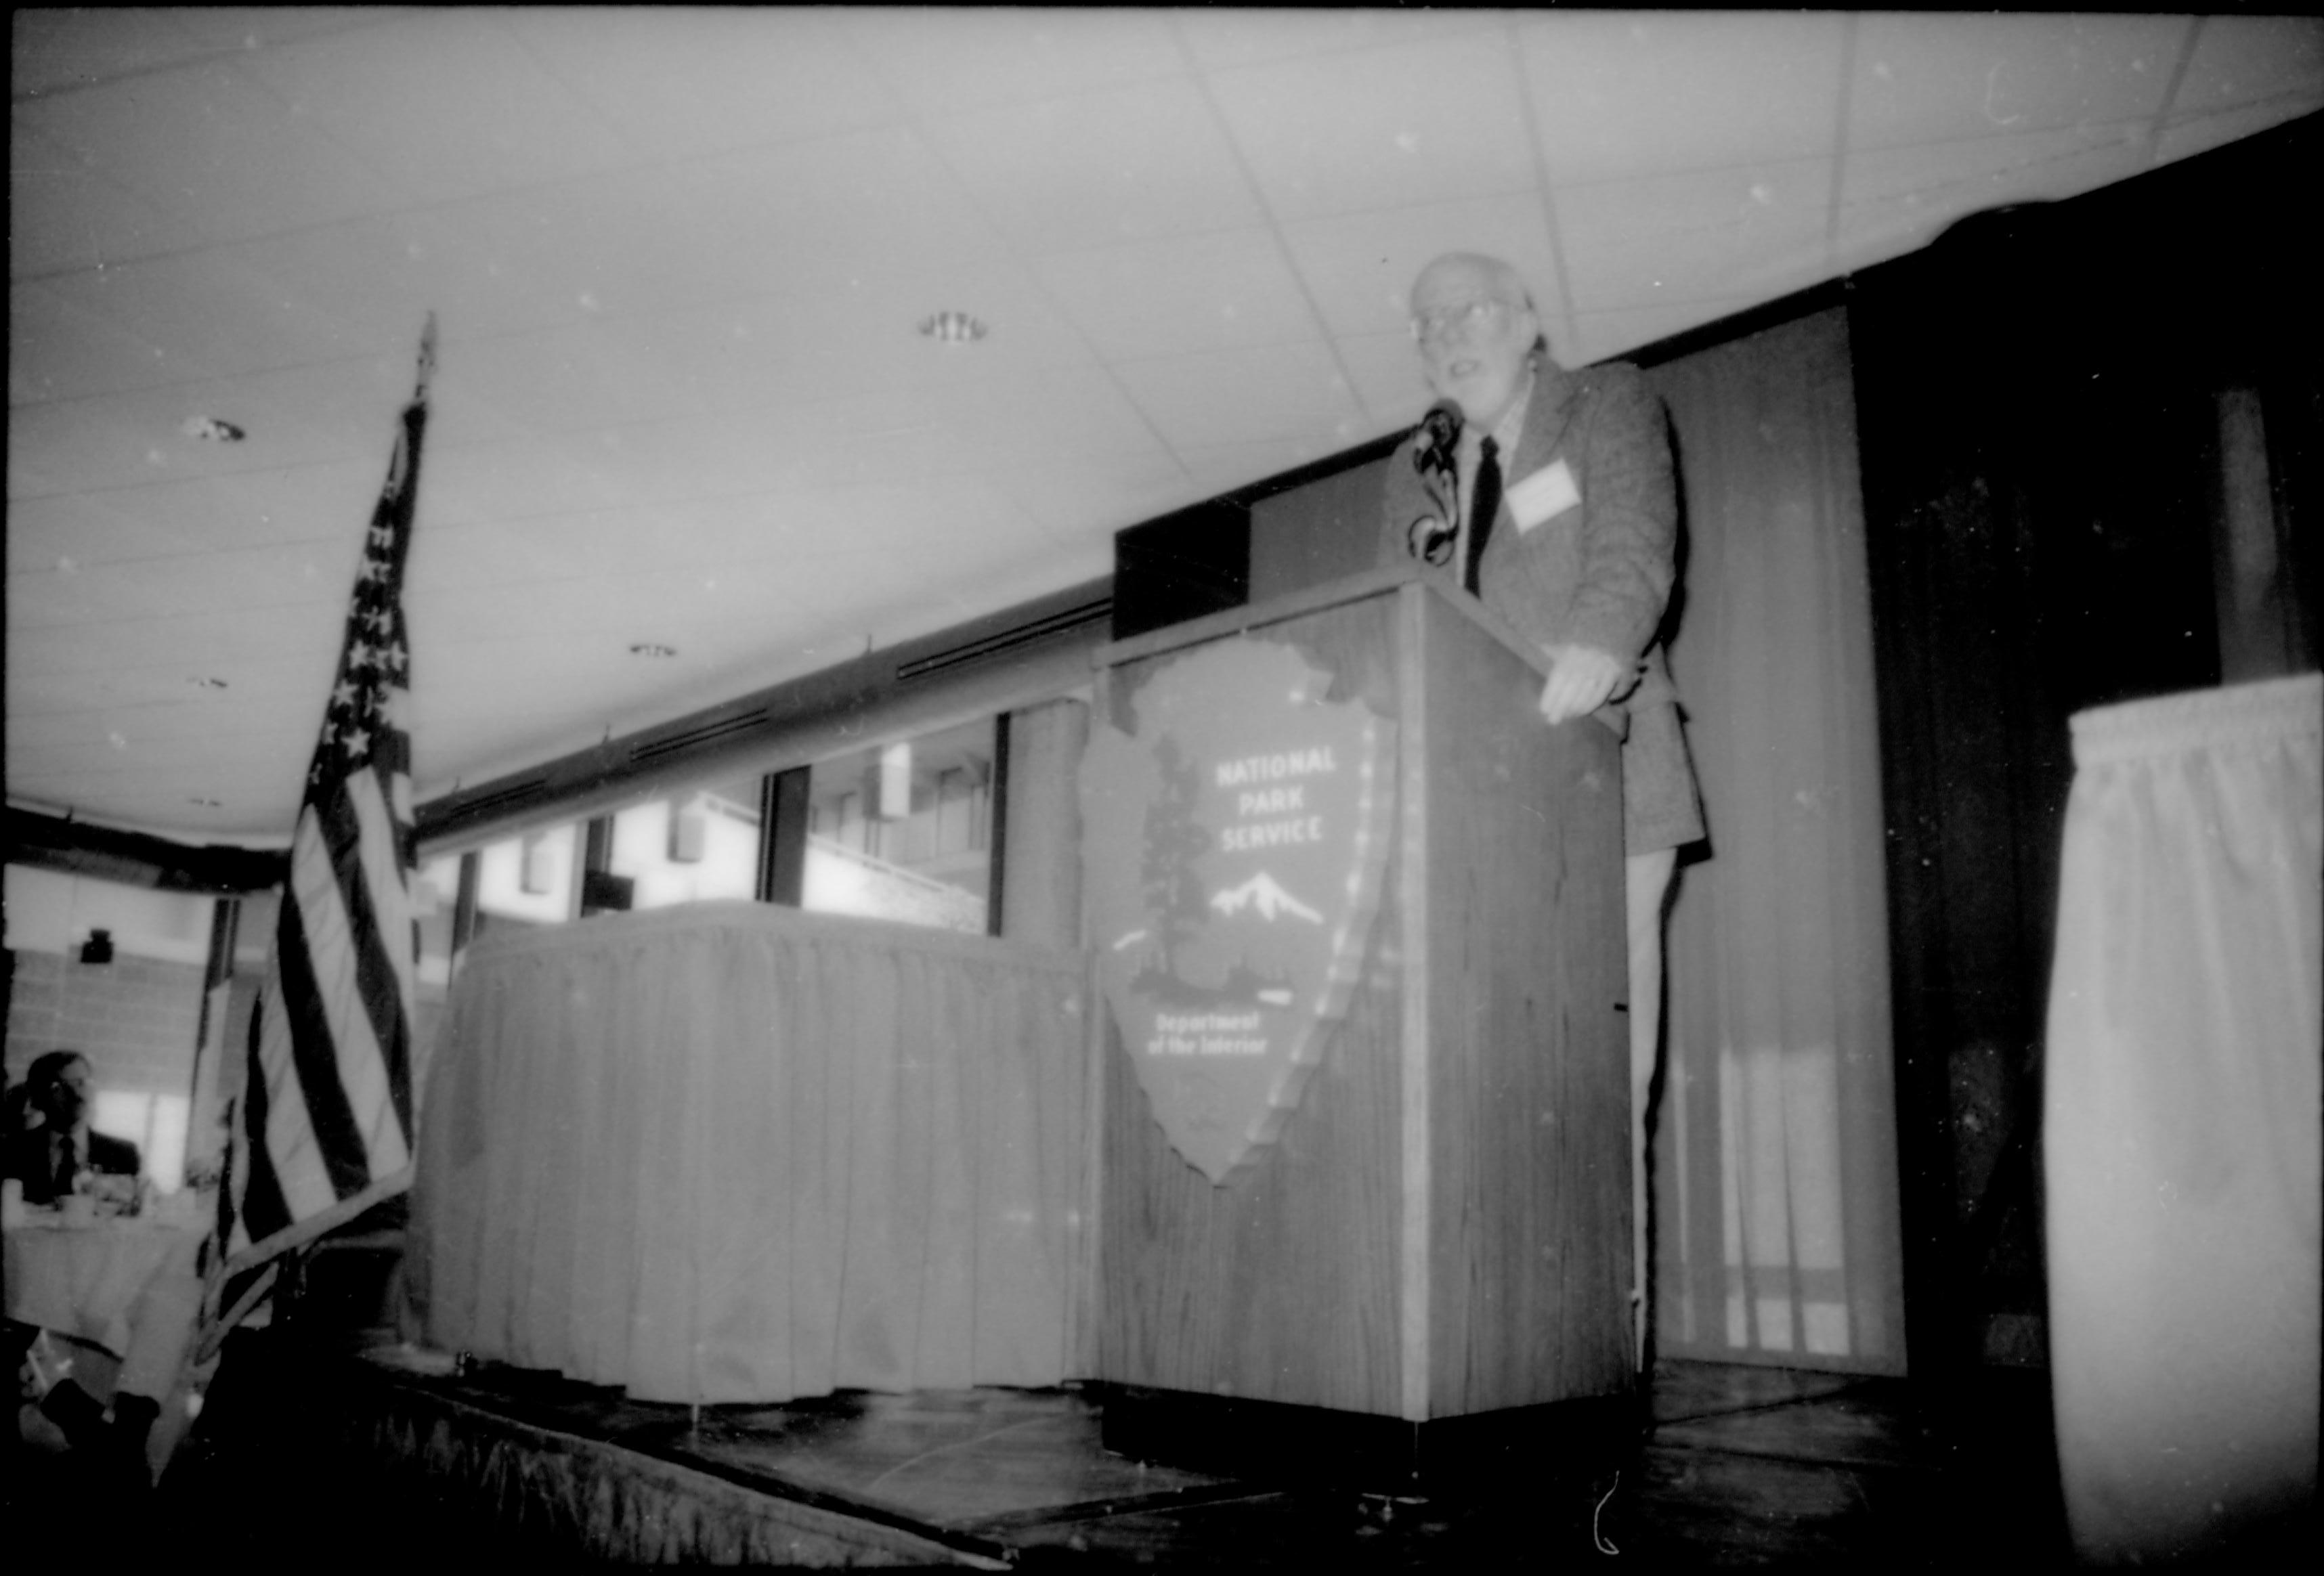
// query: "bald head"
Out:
[1477,333]
[1474,275]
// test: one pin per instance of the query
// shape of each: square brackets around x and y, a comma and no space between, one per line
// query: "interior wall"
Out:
[2048,514]
[137,1017]
[1324,531]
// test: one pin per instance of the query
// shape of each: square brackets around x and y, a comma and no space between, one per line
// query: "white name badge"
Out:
[1545,494]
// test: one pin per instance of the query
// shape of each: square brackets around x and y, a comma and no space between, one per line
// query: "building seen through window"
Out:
[901,830]
[699,845]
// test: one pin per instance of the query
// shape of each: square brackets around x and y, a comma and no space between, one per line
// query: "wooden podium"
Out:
[1435,1243]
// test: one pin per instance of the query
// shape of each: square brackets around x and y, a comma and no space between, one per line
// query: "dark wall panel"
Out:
[2040,401]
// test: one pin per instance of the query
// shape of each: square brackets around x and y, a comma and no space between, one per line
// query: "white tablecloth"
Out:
[2181,1139]
[127,1286]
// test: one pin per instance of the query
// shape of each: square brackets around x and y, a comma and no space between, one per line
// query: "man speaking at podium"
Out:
[1552,496]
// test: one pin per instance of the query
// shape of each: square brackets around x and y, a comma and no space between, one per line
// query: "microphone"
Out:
[1430,537]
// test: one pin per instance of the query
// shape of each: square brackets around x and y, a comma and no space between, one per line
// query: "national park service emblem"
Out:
[1233,851]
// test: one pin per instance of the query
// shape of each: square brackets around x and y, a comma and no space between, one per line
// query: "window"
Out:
[698,846]
[155,1123]
[530,878]
[903,831]
[435,902]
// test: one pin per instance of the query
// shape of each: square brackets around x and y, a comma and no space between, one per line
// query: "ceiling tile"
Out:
[1359,267]
[501,553]
[445,105]
[946,61]
[739,453]
[809,450]
[54,532]
[375,280]
[889,522]
[696,535]
[626,243]
[115,761]
[38,699]
[1927,77]
[1894,199]
[1003,578]
[54,48]
[1622,95]
[1048,416]
[852,206]
[1697,236]
[1246,395]
[227,29]
[1222,38]
[153,705]
[517,480]
[1183,293]
[1149,159]
[1382,128]
[750,356]
[578,375]
[140,440]
[1228,467]
[63,348]
[583,605]
[207,316]
[210,145]
[2250,60]
[1074,499]
[63,214]
[681,81]
[147,588]
[736,528]
[1605,335]
[204,641]
[1384,370]
[2184,138]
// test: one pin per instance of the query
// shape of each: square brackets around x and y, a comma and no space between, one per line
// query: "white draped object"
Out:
[735,1153]
[2181,1133]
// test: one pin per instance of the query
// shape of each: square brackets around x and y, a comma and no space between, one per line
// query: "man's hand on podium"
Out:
[1582,678]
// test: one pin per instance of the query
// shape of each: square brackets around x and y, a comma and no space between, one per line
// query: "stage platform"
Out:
[1733,1466]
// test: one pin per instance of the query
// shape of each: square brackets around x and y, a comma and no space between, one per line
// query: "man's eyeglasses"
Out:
[1471,317]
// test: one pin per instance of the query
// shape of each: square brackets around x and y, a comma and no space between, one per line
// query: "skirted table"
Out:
[738,1153]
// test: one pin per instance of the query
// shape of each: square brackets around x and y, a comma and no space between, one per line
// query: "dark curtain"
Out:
[2091,472]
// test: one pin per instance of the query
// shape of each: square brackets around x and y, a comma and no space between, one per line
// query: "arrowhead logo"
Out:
[1233,852]
[1261,893]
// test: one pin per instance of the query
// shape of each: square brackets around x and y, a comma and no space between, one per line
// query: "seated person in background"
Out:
[53,1143]
[49,1144]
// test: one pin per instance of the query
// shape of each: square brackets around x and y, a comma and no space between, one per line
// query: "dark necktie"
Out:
[1484,503]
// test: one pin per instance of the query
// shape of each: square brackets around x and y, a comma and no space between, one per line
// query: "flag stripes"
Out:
[326,1123]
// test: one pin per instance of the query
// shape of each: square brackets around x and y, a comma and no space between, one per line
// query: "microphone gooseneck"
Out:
[1429,536]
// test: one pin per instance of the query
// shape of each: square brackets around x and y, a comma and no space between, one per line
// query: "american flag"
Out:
[324,1130]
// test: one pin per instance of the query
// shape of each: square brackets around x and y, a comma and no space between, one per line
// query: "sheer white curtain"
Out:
[1776,1233]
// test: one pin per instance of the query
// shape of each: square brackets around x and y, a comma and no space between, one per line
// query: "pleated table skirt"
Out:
[2181,1123]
